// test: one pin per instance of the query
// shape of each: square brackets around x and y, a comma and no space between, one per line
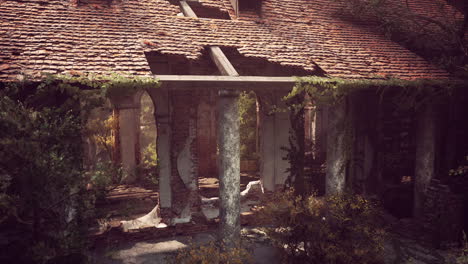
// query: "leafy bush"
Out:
[212,254]
[340,229]
[248,125]
[43,195]
[100,131]
[104,177]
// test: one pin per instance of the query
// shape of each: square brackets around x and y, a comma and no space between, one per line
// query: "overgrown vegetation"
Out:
[45,201]
[435,32]
[44,197]
[211,253]
[339,229]
[248,125]
[149,158]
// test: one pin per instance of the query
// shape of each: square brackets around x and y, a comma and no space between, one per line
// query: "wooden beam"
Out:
[216,54]
[225,79]
[187,10]
[235,5]
[222,62]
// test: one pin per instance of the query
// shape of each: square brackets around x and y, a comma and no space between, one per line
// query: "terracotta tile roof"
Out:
[55,36]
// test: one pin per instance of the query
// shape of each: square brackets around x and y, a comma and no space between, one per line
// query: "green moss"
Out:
[329,90]
[111,85]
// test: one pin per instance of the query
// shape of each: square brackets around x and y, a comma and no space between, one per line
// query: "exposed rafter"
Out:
[225,79]
[216,54]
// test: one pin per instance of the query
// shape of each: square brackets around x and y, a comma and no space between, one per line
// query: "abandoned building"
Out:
[205,51]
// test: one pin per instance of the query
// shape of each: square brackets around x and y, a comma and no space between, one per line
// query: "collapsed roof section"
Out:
[58,35]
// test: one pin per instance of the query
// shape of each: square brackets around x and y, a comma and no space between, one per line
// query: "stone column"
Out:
[128,119]
[160,97]
[336,149]
[229,167]
[425,162]
[363,114]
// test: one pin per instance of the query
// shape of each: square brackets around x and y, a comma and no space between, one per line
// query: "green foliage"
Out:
[104,176]
[438,37]
[296,149]
[100,131]
[150,156]
[149,165]
[40,166]
[44,201]
[147,169]
[211,253]
[339,229]
[248,125]
[112,85]
[410,94]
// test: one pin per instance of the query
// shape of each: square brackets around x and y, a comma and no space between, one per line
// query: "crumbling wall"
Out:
[206,134]
[184,158]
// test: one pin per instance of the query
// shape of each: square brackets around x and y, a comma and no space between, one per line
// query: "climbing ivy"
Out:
[411,92]
[406,94]
[44,202]
[110,85]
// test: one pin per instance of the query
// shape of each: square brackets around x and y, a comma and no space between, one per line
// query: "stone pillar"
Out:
[128,109]
[425,162]
[363,115]
[274,134]
[162,112]
[229,167]
[336,149]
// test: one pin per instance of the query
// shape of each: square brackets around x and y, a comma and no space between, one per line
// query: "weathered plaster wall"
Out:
[162,108]
[206,134]
[184,171]
[274,134]
[128,114]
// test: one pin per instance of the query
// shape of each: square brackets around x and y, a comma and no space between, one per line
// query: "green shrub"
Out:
[104,177]
[43,194]
[340,229]
[248,125]
[211,253]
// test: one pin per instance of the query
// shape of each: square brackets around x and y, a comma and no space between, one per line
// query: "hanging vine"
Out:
[406,94]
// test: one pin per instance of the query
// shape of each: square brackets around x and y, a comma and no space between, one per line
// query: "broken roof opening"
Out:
[250,6]
[256,66]
[99,3]
[167,64]
[208,12]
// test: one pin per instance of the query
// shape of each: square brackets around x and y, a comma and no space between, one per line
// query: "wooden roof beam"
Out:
[217,55]
[225,79]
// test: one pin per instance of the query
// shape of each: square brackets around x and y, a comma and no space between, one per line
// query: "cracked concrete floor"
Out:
[163,250]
